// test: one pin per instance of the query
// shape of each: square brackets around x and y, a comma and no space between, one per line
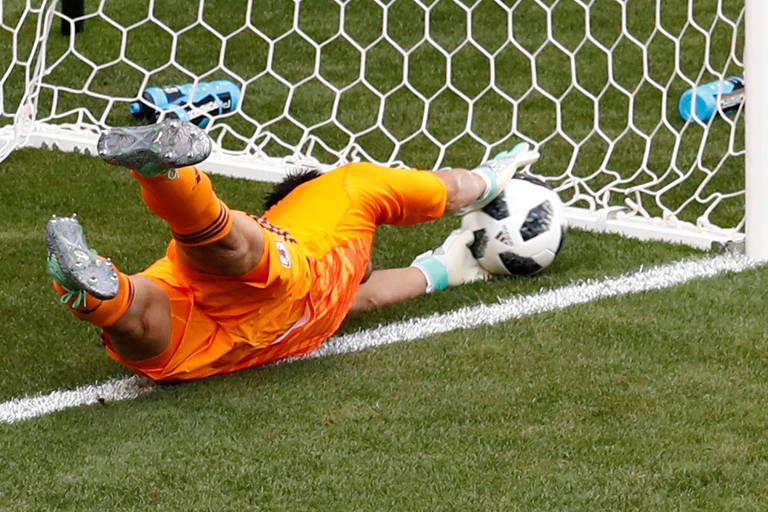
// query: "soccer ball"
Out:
[521,231]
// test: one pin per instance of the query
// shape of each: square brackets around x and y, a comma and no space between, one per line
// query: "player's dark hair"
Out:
[292,180]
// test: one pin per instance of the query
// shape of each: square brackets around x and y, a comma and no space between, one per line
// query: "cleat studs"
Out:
[80,257]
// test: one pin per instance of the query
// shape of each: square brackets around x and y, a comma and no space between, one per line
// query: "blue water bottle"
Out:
[207,100]
[705,99]
[158,98]
[189,102]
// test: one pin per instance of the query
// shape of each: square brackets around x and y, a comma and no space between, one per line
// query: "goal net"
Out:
[593,84]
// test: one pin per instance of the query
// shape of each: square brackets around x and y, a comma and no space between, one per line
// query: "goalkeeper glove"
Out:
[498,172]
[450,264]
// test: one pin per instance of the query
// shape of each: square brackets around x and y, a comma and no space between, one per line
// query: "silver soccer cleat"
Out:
[156,148]
[73,264]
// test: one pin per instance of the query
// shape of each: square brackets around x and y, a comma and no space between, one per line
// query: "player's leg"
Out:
[209,236]
[132,309]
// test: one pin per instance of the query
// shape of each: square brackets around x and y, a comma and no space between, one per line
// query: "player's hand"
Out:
[451,264]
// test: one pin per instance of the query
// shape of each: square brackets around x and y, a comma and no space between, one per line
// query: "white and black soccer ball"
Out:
[521,231]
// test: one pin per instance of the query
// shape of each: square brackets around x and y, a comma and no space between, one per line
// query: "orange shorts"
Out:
[317,247]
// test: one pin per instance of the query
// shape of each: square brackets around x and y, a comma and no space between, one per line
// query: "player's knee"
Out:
[144,331]
[138,339]
[234,255]
[234,260]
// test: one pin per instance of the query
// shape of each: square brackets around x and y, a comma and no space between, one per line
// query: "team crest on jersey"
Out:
[283,254]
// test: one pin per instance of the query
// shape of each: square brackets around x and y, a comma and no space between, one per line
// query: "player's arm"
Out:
[451,264]
[389,286]
[468,190]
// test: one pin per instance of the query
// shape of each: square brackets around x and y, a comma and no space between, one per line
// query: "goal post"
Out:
[756,168]
[592,84]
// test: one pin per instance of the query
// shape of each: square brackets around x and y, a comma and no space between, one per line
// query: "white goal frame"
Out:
[756,172]
[28,130]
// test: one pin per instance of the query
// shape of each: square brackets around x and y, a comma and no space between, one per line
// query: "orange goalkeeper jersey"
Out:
[317,246]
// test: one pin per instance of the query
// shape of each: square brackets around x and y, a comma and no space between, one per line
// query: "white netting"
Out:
[593,83]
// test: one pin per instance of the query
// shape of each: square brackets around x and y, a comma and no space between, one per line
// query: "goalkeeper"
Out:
[236,290]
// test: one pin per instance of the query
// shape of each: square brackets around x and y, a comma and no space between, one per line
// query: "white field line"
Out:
[653,278]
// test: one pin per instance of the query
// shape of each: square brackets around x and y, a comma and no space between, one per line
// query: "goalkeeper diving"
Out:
[236,290]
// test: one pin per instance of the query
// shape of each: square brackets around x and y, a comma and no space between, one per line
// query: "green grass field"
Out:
[651,401]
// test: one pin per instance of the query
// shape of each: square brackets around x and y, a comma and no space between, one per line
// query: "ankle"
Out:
[102,313]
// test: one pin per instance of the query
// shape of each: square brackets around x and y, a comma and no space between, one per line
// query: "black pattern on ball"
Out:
[520,232]
[538,221]
[497,209]
[518,265]
[479,244]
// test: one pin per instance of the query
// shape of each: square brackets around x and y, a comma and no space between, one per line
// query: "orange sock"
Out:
[101,312]
[186,201]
